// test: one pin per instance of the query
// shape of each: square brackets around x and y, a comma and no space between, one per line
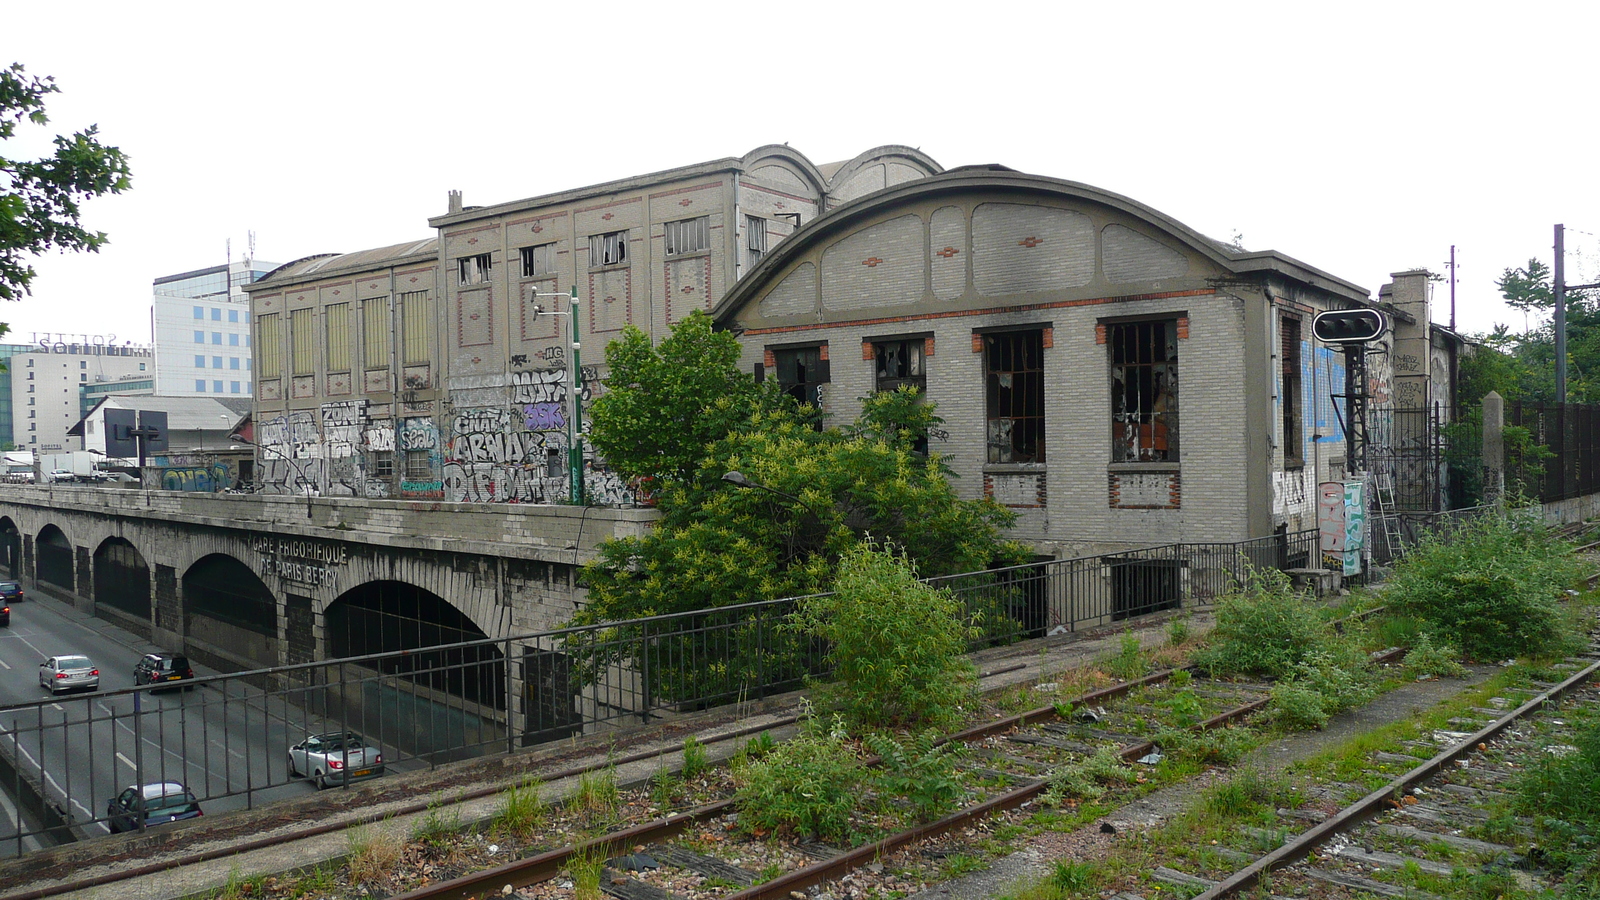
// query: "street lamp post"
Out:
[574,389]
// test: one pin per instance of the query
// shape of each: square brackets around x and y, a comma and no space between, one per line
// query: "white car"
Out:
[335,758]
[56,475]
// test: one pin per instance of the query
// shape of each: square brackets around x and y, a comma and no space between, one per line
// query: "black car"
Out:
[10,592]
[162,668]
[157,804]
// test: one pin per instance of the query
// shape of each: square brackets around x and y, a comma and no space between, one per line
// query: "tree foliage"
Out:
[1522,366]
[814,494]
[39,199]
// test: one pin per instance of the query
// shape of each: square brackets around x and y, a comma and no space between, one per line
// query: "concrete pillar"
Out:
[1494,450]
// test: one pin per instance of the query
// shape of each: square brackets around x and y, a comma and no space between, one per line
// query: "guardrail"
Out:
[226,737]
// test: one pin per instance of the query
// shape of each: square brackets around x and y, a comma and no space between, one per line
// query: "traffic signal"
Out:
[1349,326]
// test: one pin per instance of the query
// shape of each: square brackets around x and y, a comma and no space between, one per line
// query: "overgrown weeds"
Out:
[1489,587]
[1264,630]
[896,645]
[374,853]
[1562,795]
[808,785]
[522,810]
[920,771]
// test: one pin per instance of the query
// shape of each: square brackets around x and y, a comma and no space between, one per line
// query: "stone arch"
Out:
[10,548]
[229,614]
[385,616]
[54,553]
[122,578]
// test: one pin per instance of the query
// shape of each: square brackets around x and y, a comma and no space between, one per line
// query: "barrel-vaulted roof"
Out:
[1000,180]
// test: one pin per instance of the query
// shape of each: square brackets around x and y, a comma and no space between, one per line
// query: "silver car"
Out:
[68,673]
[335,758]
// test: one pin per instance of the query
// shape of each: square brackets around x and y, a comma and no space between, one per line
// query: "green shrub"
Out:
[695,759]
[897,646]
[1430,659]
[1330,679]
[1086,779]
[919,771]
[1489,587]
[1264,630]
[1130,662]
[808,785]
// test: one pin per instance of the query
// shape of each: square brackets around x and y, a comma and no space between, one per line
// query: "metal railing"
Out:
[226,737]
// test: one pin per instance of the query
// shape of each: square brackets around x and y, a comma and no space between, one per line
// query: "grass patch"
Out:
[522,810]
[374,852]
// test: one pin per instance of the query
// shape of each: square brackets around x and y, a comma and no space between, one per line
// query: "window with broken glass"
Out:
[1144,390]
[1294,439]
[687,236]
[898,363]
[609,249]
[1013,364]
[802,373]
[538,260]
[473,269]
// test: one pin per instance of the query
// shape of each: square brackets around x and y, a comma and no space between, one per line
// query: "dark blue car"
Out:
[158,803]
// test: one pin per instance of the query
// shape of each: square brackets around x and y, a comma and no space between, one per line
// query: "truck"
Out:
[74,465]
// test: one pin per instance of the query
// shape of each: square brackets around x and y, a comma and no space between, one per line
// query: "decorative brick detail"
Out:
[977,342]
[1048,339]
[927,346]
[413,279]
[869,351]
[872,262]
[1100,333]
[769,359]
[685,202]
[1183,328]
[947,252]
[822,352]
[336,293]
[1030,242]
[373,286]
[473,239]
[608,216]
[537,228]
[1142,493]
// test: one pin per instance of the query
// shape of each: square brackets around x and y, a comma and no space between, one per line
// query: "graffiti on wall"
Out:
[420,436]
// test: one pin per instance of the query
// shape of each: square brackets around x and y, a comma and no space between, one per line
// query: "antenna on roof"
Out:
[252,254]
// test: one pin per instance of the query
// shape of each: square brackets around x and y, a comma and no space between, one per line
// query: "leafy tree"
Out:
[813,495]
[665,404]
[1522,366]
[39,206]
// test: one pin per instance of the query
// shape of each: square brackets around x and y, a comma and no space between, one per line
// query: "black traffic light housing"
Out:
[1349,326]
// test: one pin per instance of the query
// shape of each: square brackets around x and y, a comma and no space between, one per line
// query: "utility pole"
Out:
[1561,315]
[1452,287]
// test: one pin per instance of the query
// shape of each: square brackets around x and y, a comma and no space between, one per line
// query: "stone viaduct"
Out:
[243,582]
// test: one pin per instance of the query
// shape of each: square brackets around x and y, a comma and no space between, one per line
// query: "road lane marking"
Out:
[126,761]
[4,664]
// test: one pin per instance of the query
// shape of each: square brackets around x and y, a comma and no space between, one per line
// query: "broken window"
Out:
[755,239]
[687,236]
[473,269]
[801,373]
[538,260]
[383,464]
[1144,390]
[608,249]
[418,466]
[1294,440]
[898,363]
[1013,364]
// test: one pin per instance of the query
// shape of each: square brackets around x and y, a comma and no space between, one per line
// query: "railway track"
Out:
[703,853]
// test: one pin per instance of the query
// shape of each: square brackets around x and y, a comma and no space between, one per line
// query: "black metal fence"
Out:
[1571,432]
[228,737]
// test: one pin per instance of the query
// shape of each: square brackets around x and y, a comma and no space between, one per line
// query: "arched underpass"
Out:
[55,558]
[122,580]
[10,548]
[435,699]
[230,618]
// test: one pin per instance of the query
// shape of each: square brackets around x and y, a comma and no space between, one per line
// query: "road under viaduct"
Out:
[243,582]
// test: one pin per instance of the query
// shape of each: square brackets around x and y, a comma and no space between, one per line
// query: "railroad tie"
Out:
[700,864]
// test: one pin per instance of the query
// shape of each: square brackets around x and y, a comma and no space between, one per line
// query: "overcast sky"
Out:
[1359,138]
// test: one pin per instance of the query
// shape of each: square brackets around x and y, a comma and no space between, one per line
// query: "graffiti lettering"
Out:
[538,387]
[544,416]
[1406,362]
[519,359]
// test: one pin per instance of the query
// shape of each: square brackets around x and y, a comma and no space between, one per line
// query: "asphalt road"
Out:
[226,743]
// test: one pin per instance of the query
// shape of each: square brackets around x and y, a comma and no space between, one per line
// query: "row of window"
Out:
[416,465]
[216,314]
[234,387]
[682,237]
[1142,362]
[415,311]
[216,362]
[216,338]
